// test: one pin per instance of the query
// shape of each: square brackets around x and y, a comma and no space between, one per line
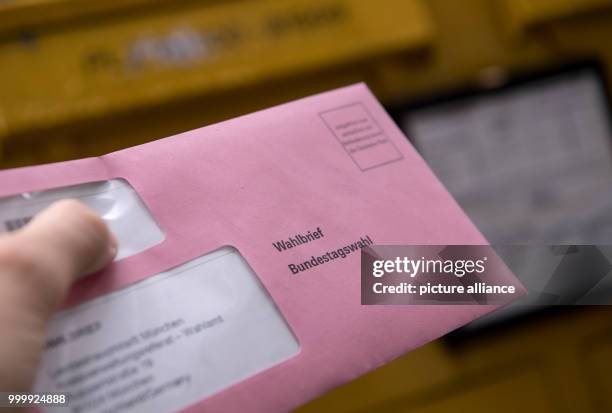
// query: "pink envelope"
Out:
[334,163]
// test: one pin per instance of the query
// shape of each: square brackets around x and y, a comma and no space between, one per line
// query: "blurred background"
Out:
[507,100]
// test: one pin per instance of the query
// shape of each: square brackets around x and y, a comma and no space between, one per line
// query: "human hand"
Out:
[38,263]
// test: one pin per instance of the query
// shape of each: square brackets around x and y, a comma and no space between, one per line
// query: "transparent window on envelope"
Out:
[167,342]
[114,200]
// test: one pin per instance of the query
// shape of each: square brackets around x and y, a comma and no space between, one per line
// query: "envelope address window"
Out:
[166,342]
[114,200]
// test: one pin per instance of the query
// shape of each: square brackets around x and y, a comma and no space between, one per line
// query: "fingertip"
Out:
[77,237]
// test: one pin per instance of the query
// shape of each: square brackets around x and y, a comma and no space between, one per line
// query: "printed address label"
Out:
[166,342]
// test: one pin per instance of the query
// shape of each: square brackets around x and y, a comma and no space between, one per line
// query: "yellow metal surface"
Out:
[81,87]
[556,363]
[83,71]
[524,14]
[19,15]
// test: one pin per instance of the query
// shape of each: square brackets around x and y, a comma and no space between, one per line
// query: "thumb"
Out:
[37,266]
